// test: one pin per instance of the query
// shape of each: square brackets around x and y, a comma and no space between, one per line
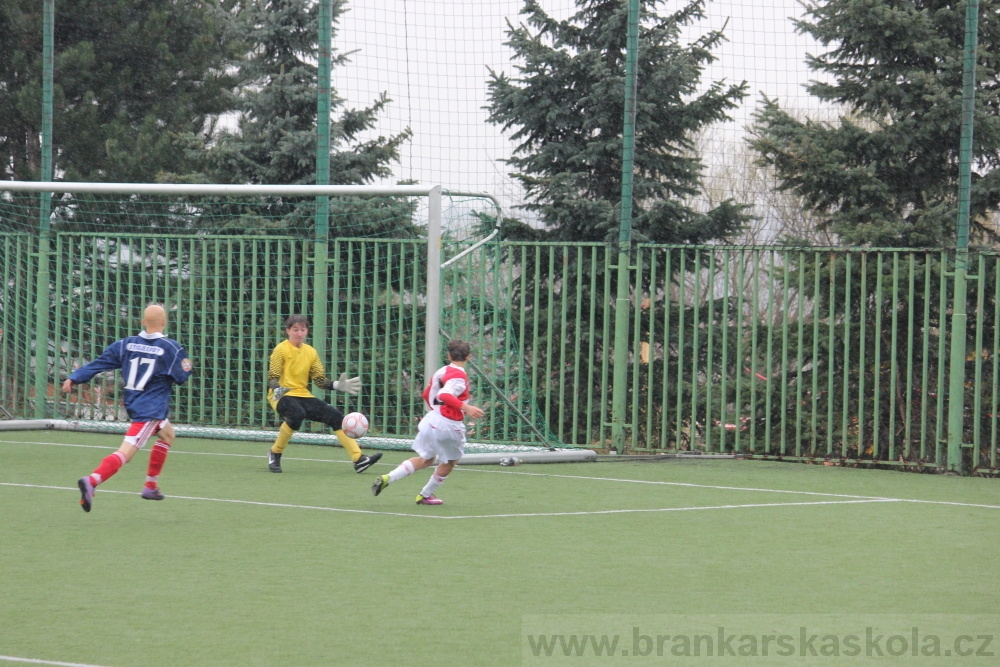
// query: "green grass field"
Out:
[239,566]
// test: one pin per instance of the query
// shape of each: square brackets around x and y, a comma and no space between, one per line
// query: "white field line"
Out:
[35,661]
[553,475]
[481,516]
[673,509]
[233,501]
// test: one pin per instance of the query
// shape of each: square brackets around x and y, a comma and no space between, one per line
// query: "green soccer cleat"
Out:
[380,483]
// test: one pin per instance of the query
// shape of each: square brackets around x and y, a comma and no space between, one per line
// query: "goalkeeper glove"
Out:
[348,386]
[279,392]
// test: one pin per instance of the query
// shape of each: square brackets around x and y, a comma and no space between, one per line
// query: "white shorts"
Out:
[139,432]
[439,437]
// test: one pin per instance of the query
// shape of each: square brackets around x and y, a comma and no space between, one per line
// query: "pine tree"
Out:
[276,138]
[131,79]
[565,110]
[887,173]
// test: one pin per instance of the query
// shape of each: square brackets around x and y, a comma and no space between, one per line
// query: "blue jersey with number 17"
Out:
[151,364]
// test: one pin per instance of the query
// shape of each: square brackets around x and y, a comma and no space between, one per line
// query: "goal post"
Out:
[230,262]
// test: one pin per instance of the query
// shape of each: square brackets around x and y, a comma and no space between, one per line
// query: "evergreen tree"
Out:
[566,108]
[275,141]
[887,173]
[131,78]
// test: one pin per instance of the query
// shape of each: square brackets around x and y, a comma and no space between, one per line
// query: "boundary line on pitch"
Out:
[693,508]
[555,475]
[37,661]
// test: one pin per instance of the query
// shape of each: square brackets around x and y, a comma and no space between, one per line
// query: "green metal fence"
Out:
[826,354]
[793,353]
[835,354]
[227,297]
[18,266]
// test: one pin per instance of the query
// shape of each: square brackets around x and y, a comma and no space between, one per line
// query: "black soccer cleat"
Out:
[366,462]
[273,461]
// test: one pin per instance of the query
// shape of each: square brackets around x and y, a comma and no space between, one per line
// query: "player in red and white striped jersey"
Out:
[441,434]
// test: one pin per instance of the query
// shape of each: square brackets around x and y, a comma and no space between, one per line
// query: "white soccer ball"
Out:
[355,425]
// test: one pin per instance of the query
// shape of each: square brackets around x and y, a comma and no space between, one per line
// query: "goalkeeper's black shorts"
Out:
[294,410]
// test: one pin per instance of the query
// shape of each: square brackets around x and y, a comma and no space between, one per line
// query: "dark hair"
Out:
[296,319]
[458,350]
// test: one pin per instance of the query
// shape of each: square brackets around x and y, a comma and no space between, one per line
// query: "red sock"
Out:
[157,458]
[111,464]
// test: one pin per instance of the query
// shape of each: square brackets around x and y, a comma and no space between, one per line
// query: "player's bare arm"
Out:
[472,411]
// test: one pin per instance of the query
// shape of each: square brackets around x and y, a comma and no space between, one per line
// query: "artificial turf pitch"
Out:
[239,566]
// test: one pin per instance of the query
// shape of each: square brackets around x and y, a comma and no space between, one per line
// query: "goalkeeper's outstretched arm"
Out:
[318,376]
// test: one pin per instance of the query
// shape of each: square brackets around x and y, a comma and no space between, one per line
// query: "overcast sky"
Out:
[431,57]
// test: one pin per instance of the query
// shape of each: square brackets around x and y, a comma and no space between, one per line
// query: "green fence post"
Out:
[956,384]
[619,388]
[322,231]
[44,211]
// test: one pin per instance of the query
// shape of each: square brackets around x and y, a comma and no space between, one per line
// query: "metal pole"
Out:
[48,49]
[221,189]
[44,212]
[432,358]
[324,41]
[322,225]
[956,385]
[621,350]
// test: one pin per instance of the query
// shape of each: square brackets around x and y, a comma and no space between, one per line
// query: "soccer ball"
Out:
[355,425]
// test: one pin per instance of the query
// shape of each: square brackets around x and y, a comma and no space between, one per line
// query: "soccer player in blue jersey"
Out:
[151,364]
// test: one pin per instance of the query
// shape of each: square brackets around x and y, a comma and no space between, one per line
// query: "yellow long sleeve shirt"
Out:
[294,368]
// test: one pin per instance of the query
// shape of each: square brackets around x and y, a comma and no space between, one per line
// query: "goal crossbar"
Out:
[222,189]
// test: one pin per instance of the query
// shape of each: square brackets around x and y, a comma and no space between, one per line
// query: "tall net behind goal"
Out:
[475,306]
[230,263]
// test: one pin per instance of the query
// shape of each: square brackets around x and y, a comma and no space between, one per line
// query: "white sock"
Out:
[432,484]
[402,470]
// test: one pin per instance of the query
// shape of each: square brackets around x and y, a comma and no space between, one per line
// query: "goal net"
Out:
[387,275]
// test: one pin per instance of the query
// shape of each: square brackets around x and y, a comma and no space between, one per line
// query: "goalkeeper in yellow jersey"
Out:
[293,365]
